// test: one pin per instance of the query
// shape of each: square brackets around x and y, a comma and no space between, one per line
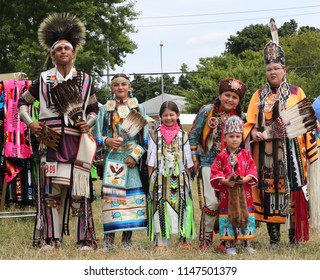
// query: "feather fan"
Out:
[132,124]
[274,31]
[295,121]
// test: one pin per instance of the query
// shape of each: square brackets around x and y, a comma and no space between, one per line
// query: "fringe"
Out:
[80,183]
[190,227]
[301,228]
[234,209]
[244,216]
[150,217]
[314,189]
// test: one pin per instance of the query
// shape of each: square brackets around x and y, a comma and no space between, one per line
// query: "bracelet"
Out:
[105,142]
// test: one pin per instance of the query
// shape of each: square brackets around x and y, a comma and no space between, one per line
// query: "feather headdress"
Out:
[273,53]
[295,121]
[60,26]
[274,31]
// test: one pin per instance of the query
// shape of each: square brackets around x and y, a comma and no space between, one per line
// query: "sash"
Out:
[82,166]
[206,131]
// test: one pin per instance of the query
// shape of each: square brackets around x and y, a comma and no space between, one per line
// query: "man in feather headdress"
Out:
[281,193]
[68,108]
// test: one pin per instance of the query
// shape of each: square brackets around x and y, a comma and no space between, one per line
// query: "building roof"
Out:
[153,105]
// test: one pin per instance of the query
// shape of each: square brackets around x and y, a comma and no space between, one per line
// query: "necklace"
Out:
[222,117]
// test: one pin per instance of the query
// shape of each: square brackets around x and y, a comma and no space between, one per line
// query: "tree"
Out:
[204,82]
[145,88]
[252,37]
[107,22]
[303,61]
[288,28]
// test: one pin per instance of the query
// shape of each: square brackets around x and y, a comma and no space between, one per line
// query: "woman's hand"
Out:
[196,166]
[257,135]
[114,143]
[130,162]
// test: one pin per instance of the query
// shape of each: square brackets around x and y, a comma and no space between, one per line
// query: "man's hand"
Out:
[83,126]
[36,128]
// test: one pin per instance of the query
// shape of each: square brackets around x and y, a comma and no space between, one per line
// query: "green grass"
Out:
[16,244]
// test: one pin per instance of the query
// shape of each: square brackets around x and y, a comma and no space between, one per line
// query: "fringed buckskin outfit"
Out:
[170,204]
[281,164]
[56,193]
[124,200]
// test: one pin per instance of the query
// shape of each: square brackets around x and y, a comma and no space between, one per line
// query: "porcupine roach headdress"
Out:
[63,26]
[60,26]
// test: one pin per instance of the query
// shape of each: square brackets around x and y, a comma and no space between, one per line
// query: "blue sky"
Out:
[192,29]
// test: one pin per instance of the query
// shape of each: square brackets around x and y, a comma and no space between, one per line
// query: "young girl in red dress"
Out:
[233,174]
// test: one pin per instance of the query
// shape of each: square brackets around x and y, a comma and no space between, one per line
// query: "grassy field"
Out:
[16,244]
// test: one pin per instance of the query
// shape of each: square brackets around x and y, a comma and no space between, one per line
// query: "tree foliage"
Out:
[301,49]
[107,22]
[205,80]
[254,37]
[145,88]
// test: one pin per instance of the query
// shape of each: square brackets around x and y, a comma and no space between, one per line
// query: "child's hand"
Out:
[243,180]
[228,183]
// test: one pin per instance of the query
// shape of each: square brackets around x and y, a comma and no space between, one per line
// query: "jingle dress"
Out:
[170,205]
[222,169]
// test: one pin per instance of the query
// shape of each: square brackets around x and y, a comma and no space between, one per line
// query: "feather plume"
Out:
[61,26]
[295,121]
[132,124]
[274,31]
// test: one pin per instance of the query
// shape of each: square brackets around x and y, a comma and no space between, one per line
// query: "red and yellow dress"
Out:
[281,163]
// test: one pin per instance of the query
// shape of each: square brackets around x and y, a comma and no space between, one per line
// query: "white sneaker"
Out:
[86,248]
[231,251]
[249,250]
[47,247]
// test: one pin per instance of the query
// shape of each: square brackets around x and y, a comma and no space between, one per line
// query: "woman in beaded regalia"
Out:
[281,194]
